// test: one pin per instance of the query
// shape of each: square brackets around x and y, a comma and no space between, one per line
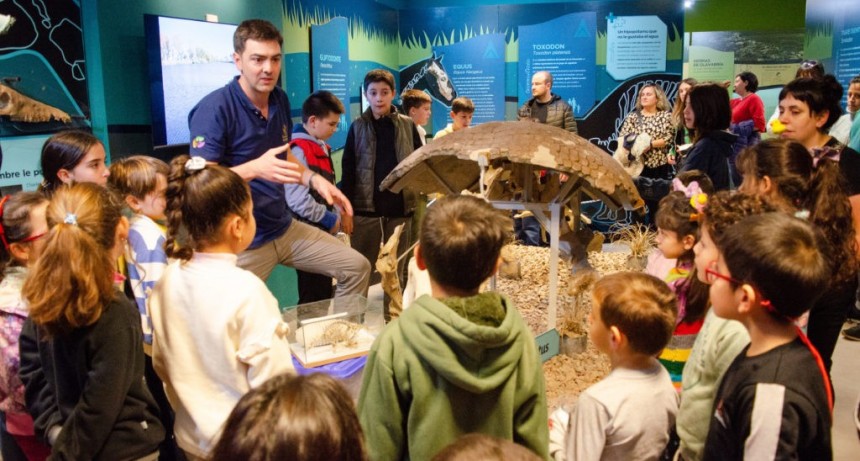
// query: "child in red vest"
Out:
[321,114]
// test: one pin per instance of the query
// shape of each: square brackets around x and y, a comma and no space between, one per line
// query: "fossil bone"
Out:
[20,108]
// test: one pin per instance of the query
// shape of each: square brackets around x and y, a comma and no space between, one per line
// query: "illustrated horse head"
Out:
[437,79]
[430,75]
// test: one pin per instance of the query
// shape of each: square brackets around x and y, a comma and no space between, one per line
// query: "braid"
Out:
[175,198]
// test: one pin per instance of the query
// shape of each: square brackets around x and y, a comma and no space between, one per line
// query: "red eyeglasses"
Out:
[33,238]
[711,275]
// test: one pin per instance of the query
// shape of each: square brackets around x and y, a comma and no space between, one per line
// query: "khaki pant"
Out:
[309,249]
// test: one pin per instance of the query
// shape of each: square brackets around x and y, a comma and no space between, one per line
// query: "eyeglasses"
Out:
[32,238]
[806,65]
[711,275]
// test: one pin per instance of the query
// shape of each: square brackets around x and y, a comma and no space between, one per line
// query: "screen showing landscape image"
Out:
[193,58]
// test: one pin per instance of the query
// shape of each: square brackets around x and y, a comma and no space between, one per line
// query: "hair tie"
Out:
[3,228]
[195,164]
[822,153]
[689,190]
[802,214]
[71,218]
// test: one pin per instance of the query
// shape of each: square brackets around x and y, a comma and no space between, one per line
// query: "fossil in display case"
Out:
[333,330]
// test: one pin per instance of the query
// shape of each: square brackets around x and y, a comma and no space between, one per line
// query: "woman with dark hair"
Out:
[749,106]
[70,157]
[809,68]
[747,118]
[682,132]
[707,113]
[812,187]
[808,108]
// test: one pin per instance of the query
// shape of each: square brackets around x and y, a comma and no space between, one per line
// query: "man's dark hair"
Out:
[255,29]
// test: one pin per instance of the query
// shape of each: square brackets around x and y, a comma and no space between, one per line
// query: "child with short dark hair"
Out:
[774,401]
[321,114]
[462,110]
[377,141]
[629,414]
[417,105]
[460,361]
[308,418]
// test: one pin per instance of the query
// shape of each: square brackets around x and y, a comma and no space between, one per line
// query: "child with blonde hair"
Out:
[22,231]
[81,350]
[217,330]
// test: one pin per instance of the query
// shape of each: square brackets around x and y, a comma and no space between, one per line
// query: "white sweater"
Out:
[216,334]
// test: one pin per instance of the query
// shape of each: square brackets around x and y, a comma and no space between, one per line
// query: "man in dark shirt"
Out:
[246,126]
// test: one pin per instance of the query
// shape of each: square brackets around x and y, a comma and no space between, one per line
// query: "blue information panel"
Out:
[566,48]
[474,68]
[635,45]
[330,69]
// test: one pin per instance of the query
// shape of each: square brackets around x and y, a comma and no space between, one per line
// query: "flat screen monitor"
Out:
[188,59]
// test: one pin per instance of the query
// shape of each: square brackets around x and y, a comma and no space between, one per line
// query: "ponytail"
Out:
[200,197]
[76,265]
[830,212]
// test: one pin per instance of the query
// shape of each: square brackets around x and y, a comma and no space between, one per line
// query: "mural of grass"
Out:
[366,42]
[415,48]
[818,42]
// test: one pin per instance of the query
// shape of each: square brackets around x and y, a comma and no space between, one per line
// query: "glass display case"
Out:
[332,330]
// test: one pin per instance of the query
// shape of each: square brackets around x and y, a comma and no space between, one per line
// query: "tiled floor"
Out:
[846,383]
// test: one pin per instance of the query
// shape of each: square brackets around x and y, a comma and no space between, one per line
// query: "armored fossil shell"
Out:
[451,164]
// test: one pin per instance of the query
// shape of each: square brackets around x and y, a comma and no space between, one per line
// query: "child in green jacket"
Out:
[460,361]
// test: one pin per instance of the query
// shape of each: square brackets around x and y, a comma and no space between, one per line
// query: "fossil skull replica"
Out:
[505,161]
[20,108]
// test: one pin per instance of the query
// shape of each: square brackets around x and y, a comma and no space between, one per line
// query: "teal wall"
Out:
[121,49]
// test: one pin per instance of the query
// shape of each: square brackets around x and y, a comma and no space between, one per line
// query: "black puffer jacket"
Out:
[558,113]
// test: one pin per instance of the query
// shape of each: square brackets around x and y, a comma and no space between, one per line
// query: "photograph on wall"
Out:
[188,59]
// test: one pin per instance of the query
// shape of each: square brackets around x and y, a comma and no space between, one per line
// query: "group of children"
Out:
[204,354]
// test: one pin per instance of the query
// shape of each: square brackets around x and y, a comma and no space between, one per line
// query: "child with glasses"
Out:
[22,230]
[774,401]
[719,340]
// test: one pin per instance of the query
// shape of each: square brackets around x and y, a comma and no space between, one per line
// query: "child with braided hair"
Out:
[217,330]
